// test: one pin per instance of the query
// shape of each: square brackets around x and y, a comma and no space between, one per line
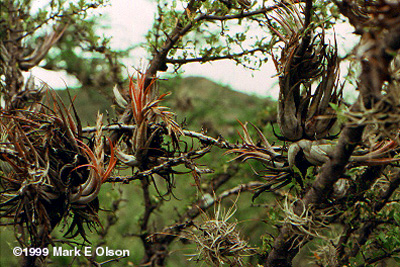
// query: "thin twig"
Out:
[169,163]
[221,143]
[213,58]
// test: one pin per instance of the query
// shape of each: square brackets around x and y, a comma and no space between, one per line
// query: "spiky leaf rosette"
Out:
[218,241]
[48,173]
[146,145]
[305,58]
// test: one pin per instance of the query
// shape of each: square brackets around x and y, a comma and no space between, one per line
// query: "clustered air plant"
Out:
[325,255]
[49,173]
[313,224]
[143,102]
[52,171]
[218,241]
[309,89]
[382,120]
[305,115]
[305,58]
[152,142]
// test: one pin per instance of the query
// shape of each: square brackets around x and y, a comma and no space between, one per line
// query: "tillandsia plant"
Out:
[342,178]
[285,166]
[144,147]
[143,102]
[148,140]
[49,173]
[319,176]
[305,115]
[306,58]
[217,238]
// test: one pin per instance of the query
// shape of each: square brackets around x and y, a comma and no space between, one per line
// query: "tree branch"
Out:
[171,162]
[169,233]
[212,58]
[386,255]
[219,142]
[375,64]
[242,15]
[367,229]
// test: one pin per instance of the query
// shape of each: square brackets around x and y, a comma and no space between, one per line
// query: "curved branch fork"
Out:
[378,49]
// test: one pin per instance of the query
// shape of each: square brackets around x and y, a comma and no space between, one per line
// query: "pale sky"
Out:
[128,29]
[130,20]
